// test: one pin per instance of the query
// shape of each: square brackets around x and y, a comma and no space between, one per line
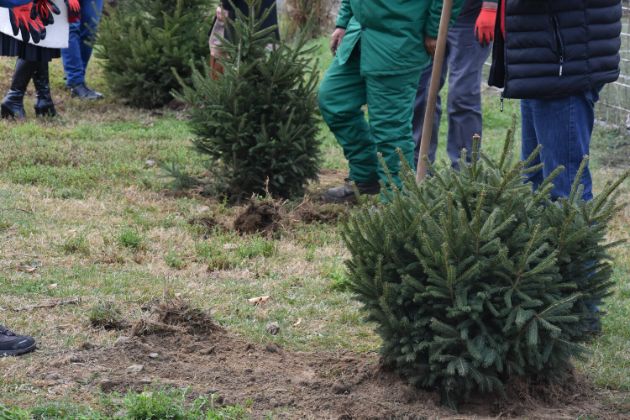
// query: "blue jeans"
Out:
[464,64]
[563,128]
[82,35]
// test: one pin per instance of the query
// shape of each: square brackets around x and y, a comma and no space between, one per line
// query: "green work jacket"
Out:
[391,33]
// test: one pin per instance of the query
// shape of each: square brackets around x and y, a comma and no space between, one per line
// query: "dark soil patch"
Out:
[175,316]
[288,384]
[260,216]
[311,212]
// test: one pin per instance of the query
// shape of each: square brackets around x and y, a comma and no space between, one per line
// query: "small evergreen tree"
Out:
[257,122]
[142,41]
[473,278]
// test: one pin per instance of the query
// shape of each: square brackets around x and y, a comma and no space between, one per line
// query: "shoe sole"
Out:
[84,98]
[18,352]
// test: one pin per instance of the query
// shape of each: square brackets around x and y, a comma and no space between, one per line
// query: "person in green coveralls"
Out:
[380,47]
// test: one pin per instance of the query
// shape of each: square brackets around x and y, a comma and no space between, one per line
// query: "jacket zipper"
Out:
[560,44]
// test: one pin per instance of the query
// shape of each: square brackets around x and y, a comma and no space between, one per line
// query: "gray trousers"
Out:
[464,64]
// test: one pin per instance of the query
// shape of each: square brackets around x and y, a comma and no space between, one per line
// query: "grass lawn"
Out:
[86,212]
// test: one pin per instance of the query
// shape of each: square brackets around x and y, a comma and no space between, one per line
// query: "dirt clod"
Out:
[273,348]
[273,328]
[341,388]
[260,216]
[175,316]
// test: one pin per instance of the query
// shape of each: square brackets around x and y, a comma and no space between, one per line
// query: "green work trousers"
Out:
[342,95]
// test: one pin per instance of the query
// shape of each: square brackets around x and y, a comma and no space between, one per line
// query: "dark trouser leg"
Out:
[341,98]
[44,105]
[13,103]
[390,100]
[465,61]
[420,106]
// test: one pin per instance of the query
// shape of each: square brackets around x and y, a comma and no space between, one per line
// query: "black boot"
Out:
[13,103]
[45,107]
[12,344]
[346,192]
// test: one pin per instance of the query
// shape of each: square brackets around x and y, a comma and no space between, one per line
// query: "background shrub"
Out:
[143,41]
[474,279]
[257,123]
[312,16]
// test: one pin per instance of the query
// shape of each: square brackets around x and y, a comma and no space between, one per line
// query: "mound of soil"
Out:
[260,215]
[174,316]
[341,385]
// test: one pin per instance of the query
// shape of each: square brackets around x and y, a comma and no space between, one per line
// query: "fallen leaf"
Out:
[29,267]
[298,322]
[52,286]
[260,300]
[135,368]
[202,209]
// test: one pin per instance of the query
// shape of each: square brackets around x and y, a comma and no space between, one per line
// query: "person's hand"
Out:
[24,19]
[486,21]
[221,14]
[45,9]
[336,38]
[430,44]
[74,10]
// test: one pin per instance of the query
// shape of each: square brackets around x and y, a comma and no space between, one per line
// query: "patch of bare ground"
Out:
[177,346]
[268,215]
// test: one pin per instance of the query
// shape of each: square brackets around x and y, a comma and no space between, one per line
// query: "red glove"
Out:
[45,10]
[486,21]
[24,19]
[74,11]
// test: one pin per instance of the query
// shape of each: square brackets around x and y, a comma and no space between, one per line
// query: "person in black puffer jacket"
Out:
[556,56]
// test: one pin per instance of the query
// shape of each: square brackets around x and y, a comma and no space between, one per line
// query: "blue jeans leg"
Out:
[530,142]
[563,127]
[82,35]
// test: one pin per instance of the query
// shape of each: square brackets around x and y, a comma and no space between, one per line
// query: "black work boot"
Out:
[44,107]
[346,193]
[13,103]
[12,344]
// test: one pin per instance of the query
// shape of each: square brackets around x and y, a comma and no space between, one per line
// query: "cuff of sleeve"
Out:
[431,32]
